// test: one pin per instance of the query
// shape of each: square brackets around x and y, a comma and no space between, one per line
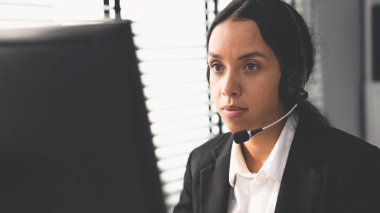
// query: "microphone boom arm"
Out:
[245,135]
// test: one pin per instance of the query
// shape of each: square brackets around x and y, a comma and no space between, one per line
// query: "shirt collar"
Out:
[274,166]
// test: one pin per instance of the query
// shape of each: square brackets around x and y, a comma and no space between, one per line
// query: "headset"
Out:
[291,86]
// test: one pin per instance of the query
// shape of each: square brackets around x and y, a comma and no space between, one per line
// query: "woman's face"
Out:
[244,76]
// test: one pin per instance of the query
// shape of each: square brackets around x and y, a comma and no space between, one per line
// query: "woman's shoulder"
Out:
[355,165]
[218,140]
[216,147]
[349,153]
[350,144]
[332,141]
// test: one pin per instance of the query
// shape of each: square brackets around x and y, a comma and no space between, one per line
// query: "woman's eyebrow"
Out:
[248,55]
[215,55]
[252,55]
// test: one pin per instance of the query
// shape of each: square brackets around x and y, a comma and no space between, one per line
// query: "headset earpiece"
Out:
[292,88]
[301,96]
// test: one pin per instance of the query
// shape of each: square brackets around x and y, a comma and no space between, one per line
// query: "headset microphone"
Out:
[245,135]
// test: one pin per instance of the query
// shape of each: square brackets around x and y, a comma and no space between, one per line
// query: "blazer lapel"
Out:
[302,180]
[214,183]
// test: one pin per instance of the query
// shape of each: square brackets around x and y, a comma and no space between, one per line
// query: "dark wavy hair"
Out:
[286,33]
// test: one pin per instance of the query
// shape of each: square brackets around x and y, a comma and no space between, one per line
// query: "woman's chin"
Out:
[236,128]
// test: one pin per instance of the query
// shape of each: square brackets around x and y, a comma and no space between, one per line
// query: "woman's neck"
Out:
[259,147]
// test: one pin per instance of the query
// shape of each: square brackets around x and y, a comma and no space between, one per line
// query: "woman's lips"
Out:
[232,111]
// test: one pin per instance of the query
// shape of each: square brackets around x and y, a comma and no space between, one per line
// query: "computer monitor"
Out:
[74,132]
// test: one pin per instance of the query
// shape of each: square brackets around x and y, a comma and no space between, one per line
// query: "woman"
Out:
[260,56]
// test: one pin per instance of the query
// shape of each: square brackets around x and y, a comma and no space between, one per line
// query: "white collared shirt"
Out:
[257,192]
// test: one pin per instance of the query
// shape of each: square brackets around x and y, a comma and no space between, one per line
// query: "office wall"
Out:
[339,31]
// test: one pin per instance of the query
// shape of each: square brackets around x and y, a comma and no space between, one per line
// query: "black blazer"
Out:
[327,171]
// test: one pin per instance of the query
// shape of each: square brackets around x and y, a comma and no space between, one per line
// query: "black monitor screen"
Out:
[74,133]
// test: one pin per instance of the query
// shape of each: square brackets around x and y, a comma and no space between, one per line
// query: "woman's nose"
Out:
[231,86]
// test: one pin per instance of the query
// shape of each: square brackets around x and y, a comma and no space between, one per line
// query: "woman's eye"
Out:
[217,67]
[251,67]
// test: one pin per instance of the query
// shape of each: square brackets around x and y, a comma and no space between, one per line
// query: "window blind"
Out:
[170,37]
[37,13]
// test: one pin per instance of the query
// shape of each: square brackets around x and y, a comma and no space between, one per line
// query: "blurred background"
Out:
[170,38]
